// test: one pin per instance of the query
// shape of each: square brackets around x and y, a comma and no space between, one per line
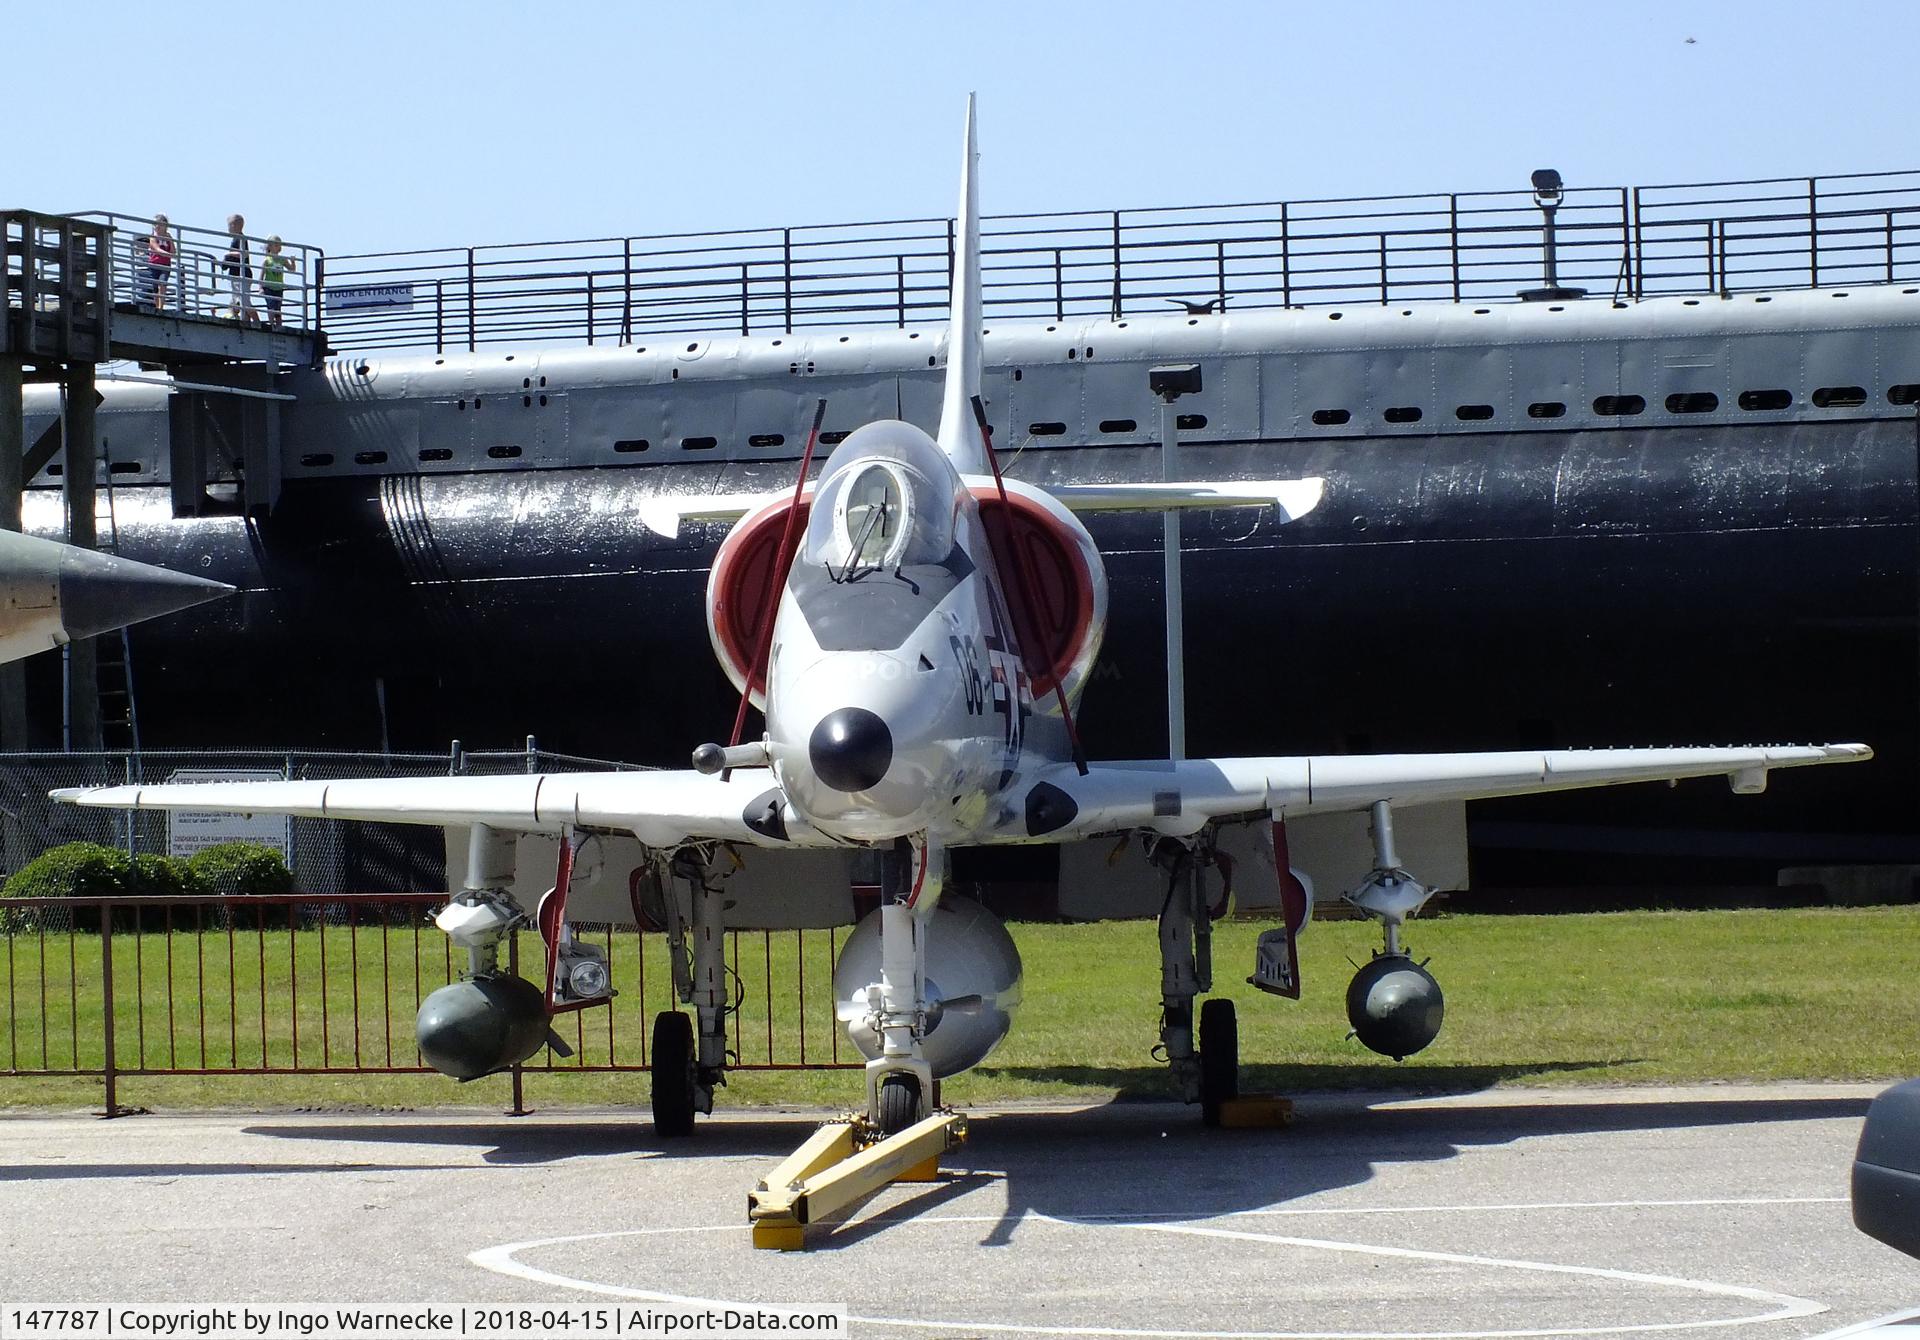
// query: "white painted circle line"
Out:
[504,1260]
[1787,1306]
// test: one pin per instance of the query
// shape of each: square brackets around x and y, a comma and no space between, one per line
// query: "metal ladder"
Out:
[119,719]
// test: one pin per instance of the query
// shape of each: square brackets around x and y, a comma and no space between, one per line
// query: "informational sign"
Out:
[189,831]
[397,297]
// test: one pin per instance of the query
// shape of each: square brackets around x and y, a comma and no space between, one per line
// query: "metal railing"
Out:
[1623,243]
[329,984]
[211,278]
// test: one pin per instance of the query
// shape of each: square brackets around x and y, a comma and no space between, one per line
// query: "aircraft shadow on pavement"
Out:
[552,1137]
[1150,1081]
[60,1171]
[1116,1162]
[1152,1162]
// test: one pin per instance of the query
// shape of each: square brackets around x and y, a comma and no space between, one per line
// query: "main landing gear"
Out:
[689,1058]
[1394,1004]
[1210,1075]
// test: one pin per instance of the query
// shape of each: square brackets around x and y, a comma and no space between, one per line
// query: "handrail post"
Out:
[1626,240]
[1453,241]
[745,315]
[1383,269]
[626,290]
[1889,246]
[519,1081]
[1639,249]
[472,324]
[900,285]
[319,318]
[1286,259]
[589,309]
[1813,232]
[1059,289]
[786,271]
[1117,297]
[108,1061]
[1220,262]
[439,316]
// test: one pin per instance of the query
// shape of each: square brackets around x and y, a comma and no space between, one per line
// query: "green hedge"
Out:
[77,870]
[89,870]
[241,867]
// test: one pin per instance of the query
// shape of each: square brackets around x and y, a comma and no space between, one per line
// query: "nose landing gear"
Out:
[900,1080]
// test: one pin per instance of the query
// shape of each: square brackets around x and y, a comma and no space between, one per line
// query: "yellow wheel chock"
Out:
[1256,1111]
[837,1168]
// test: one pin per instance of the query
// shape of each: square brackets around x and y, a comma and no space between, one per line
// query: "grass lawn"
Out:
[1566,1000]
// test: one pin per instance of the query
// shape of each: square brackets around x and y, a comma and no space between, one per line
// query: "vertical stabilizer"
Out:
[959,436]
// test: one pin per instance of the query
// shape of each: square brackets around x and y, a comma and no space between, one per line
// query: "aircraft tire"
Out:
[899,1103]
[1219,1058]
[671,1067]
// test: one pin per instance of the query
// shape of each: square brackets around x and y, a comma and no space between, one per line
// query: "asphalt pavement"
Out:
[1717,1211]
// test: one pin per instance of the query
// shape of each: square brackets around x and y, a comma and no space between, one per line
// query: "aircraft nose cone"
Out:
[851,749]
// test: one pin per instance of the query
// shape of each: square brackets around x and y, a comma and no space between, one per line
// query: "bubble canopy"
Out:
[886,501]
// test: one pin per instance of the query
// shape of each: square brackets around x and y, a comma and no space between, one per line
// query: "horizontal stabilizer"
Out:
[1293,498]
[662,515]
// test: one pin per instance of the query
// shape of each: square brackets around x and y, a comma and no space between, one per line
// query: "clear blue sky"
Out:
[360,126]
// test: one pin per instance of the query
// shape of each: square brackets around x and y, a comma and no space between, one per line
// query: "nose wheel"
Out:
[899,1103]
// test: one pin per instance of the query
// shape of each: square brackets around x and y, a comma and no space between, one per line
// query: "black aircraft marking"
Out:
[966,654]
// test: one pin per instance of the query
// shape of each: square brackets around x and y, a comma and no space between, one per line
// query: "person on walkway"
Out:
[273,278]
[160,249]
[239,267]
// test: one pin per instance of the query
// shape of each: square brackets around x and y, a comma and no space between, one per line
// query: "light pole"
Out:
[1170,382]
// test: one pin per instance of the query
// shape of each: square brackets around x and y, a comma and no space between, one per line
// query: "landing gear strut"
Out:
[1394,1004]
[689,1056]
[1209,1076]
[899,1080]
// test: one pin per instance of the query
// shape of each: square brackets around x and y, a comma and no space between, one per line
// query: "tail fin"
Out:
[959,437]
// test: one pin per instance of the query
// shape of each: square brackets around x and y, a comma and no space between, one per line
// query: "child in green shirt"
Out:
[273,279]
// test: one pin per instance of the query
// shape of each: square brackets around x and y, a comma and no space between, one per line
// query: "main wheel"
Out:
[899,1103]
[672,1071]
[1219,1058]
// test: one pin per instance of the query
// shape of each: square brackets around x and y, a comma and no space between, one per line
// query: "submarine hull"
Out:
[1461,591]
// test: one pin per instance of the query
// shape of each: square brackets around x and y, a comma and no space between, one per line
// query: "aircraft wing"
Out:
[660,808]
[1293,497]
[1180,798]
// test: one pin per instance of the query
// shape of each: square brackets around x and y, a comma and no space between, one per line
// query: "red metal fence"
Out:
[314,985]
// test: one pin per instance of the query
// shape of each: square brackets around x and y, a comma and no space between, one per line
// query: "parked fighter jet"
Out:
[51,593]
[915,629]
